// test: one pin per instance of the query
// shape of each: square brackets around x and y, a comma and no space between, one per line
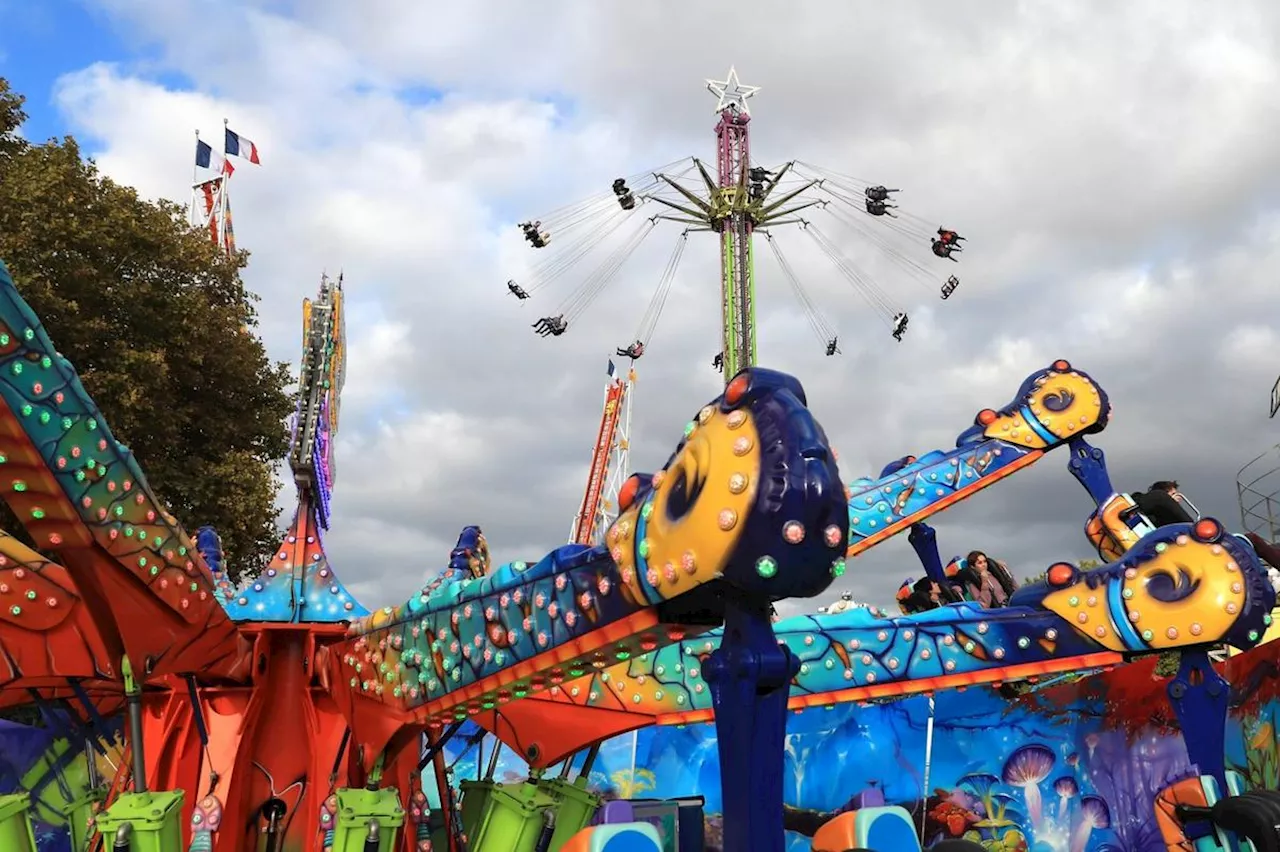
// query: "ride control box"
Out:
[155,820]
[15,824]
[357,808]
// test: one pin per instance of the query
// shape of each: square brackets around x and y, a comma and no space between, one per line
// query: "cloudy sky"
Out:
[1114,168]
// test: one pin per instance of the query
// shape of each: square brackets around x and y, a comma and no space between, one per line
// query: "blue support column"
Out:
[1200,697]
[924,540]
[1088,465]
[750,677]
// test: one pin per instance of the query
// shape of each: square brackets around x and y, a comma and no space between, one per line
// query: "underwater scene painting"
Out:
[1073,767]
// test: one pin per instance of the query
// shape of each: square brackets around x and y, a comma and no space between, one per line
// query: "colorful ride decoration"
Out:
[267,708]
[219,688]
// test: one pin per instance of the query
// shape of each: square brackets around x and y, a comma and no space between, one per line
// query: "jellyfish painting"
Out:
[1073,759]
[1067,789]
[1093,814]
[1091,742]
[1027,767]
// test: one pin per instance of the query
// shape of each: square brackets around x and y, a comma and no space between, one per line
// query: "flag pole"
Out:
[191,206]
[222,196]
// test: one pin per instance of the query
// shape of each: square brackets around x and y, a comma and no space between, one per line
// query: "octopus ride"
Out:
[280,715]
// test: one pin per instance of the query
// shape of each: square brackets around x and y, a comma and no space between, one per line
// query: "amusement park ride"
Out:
[740,199]
[280,716]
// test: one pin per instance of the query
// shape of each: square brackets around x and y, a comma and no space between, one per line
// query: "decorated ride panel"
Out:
[1051,407]
[322,374]
[298,585]
[80,493]
[1182,586]
[750,499]
[46,632]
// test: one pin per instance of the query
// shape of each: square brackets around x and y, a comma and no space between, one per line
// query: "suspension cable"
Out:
[581,299]
[557,218]
[913,225]
[546,272]
[862,283]
[918,273]
[649,322]
[821,328]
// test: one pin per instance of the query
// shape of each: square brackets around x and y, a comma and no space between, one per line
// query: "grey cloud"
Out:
[1113,167]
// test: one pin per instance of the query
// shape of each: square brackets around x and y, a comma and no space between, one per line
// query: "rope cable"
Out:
[581,299]
[821,328]
[875,296]
[918,272]
[649,322]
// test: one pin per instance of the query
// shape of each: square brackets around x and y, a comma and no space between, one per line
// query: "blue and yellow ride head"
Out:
[751,496]
[1181,585]
[1051,407]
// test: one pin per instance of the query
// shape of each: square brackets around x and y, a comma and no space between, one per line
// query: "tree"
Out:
[159,326]
[11,118]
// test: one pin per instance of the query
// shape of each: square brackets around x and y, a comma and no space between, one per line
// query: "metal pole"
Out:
[91,764]
[928,764]
[493,760]
[635,743]
[133,697]
[191,209]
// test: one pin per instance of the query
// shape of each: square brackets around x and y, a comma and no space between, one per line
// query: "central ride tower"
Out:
[730,215]
[740,200]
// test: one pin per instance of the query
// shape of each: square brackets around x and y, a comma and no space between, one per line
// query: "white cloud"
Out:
[1113,167]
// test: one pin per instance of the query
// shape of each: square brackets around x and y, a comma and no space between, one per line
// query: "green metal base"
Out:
[15,824]
[475,799]
[356,808]
[512,819]
[574,808]
[156,819]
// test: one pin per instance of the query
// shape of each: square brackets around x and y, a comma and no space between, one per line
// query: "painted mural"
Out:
[47,761]
[1070,768]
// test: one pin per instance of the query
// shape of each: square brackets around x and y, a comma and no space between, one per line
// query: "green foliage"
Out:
[159,326]
[1167,665]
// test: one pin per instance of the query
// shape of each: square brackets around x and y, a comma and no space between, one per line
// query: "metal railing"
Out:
[1258,492]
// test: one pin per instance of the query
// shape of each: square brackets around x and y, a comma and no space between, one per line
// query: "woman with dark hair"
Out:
[988,580]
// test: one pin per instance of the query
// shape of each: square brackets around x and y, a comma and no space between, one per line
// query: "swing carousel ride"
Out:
[743,198]
[282,716]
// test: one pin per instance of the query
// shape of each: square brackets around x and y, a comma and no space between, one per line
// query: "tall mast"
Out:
[609,462]
[730,217]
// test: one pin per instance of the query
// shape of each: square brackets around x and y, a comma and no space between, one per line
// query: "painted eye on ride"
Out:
[737,389]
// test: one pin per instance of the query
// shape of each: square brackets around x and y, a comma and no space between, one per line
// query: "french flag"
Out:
[238,146]
[207,158]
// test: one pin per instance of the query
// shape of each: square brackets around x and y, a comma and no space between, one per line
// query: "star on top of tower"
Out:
[731,93]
